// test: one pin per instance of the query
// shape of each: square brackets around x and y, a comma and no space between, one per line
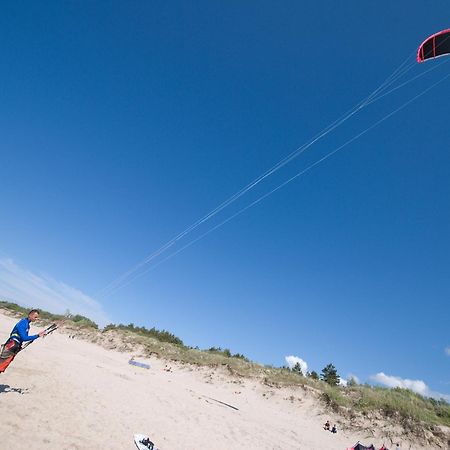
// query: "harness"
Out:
[15,337]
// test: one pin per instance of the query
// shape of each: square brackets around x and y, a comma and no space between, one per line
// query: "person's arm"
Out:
[22,329]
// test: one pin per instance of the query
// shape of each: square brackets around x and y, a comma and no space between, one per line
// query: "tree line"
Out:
[329,374]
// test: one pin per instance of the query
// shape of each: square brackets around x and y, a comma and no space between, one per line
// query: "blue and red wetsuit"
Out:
[20,332]
[13,345]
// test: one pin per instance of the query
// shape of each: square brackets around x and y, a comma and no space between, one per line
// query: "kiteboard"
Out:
[133,362]
[143,442]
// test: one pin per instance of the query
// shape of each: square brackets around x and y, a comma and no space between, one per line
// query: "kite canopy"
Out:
[436,45]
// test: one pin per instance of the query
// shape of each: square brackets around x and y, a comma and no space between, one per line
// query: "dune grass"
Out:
[48,317]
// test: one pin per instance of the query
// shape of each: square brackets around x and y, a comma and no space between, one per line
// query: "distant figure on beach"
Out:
[397,447]
[327,425]
[334,429]
[19,334]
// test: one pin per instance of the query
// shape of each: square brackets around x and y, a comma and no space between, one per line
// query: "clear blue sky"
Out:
[122,123]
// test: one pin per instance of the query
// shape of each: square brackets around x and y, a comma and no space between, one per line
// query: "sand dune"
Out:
[63,393]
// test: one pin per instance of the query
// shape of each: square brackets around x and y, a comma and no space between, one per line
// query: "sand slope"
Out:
[63,393]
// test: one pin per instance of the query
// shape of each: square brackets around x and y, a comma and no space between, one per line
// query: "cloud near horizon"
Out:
[353,377]
[22,286]
[350,376]
[293,360]
[417,386]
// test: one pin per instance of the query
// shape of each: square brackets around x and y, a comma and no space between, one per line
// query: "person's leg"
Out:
[9,351]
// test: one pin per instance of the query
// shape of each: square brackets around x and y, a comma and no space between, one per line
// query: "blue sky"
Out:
[123,123]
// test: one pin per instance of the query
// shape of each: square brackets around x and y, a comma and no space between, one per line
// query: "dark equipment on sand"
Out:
[359,446]
[11,348]
[143,442]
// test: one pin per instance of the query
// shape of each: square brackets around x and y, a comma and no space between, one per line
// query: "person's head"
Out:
[33,315]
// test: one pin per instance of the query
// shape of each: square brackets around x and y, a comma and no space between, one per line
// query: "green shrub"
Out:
[227,353]
[50,317]
[83,322]
[160,335]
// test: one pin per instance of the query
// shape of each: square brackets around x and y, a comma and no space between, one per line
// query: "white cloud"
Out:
[293,360]
[447,351]
[391,381]
[345,381]
[351,376]
[417,386]
[27,288]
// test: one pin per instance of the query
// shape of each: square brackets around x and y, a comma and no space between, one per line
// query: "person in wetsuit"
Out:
[19,334]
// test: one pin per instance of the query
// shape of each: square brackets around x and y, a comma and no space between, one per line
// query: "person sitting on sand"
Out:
[19,334]
[334,429]
[327,425]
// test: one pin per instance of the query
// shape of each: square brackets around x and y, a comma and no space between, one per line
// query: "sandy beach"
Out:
[65,393]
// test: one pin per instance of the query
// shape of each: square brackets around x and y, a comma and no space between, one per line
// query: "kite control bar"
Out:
[50,329]
[47,331]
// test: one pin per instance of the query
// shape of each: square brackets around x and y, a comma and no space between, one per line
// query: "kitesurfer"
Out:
[19,334]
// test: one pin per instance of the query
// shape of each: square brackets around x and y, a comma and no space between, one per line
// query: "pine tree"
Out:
[297,369]
[313,374]
[329,375]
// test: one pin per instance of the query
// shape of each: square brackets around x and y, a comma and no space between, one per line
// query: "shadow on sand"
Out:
[5,388]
